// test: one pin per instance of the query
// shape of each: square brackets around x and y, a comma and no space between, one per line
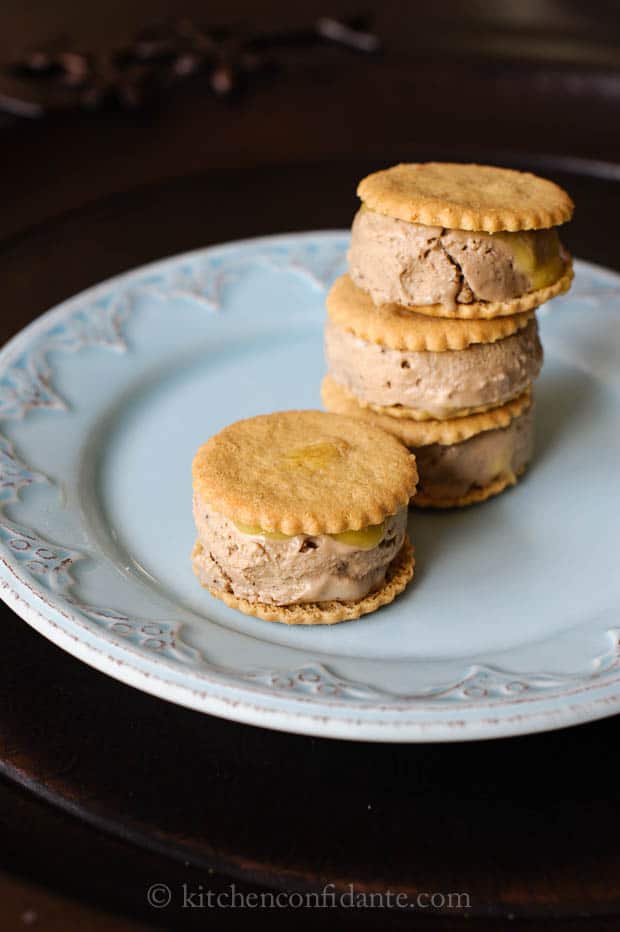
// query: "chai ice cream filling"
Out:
[277,569]
[440,384]
[411,264]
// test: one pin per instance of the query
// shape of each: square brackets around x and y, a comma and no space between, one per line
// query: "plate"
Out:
[511,624]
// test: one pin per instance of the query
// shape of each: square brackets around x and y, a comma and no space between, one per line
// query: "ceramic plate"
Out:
[511,624]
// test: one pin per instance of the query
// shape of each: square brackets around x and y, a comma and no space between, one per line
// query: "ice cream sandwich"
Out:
[456,240]
[302,515]
[419,367]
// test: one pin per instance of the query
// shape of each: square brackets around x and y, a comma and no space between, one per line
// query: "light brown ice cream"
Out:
[451,471]
[411,264]
[290,570]
[442,384]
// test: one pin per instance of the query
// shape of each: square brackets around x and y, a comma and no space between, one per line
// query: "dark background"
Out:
[105,790]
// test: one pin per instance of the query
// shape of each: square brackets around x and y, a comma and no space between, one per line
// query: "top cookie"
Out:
[304,472]
[466,197]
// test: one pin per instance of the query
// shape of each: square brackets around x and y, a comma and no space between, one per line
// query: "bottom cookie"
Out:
[399,574]
[473,497]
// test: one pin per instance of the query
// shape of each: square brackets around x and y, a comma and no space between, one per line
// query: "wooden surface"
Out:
[107,790]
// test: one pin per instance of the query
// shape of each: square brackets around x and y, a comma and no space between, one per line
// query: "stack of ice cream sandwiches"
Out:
[433,335]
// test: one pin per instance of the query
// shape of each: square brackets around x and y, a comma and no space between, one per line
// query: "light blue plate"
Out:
[511,624]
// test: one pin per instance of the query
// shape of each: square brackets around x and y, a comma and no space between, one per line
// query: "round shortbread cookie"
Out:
[402,328]
[473,497]
[466,197]
[399,574]
[421,433]
[304,472]
[400,412]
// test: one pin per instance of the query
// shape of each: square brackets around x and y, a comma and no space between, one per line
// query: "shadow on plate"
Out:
[561,396]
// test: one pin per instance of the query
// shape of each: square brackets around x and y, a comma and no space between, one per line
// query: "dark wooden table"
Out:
[107,791]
